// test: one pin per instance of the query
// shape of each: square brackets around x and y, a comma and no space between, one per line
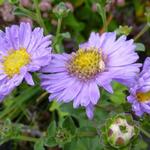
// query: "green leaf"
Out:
[140,47]
[51,129]
[102,13]
[50,142]
[118,96]
[123,30]
[39,145]
[147,14]
[21,101]
[1,2]
[13,1]
[56,106]
[66,35]
[20,11]
[72,22]
[139,144]
[69,125]
[75,145]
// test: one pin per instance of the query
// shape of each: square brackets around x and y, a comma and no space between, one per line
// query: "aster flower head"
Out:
[140,92]
[77,77]
[21,51]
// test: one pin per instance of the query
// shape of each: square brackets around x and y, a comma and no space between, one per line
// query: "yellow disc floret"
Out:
[15,60]
[85,64]
[143,97]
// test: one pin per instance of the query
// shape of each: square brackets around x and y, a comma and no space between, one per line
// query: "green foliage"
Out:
[123,30]
[39,145]
[119,96]
[147,14]
[1,2]
[13,1]
[102,13]
[140,47]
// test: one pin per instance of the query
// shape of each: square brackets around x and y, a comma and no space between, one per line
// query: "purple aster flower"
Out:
[79,75]
[140,92]
[21,51]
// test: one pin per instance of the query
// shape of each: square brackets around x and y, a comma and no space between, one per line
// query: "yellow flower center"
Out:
[86,64]
[143,97]
[15,60]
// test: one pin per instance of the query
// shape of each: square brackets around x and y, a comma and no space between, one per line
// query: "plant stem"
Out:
[41,97]
[39,17]
[143,131]
[146,27]
[57,33]
[25,138]
[58,27]
[106,24]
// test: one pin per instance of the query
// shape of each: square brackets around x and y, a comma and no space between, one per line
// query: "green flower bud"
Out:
[123,30]
[61,10]
[62,136]
[120,133]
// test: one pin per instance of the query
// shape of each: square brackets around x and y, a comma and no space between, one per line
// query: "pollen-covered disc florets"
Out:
[85,64]
[15,60]
[143,97]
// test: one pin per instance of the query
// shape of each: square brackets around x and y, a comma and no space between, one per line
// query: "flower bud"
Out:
[120,2]
[61,10]
[8,17]
[94,7]
[26,3]
[117,131]
[6,12]
[45,5]
[26,19]
[123,30]
[120,133]
[62,136]
[69,6]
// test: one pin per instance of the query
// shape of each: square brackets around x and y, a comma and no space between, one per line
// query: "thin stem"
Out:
[25,138]
[143,131]
[57,33]
[39,17]
[146,27]
[41,97]
[106,24]
[58,27]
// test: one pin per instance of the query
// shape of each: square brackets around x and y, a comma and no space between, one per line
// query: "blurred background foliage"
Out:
[27,119]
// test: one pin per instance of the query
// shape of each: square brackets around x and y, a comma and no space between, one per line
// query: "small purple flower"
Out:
[140,92]
[21,51]
[79,75]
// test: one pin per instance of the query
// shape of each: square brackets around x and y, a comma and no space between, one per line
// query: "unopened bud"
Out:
[69,6]
[62,136]
[61,10]
[26,19]
[26,3]
[120,133]
[120,2]
[45,5]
